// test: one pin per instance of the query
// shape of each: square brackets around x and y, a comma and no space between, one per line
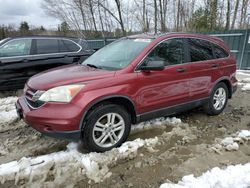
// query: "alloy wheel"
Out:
[219,98]
[108,130]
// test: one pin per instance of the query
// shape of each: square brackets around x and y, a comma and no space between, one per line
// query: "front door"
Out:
[166,88]
[14,60]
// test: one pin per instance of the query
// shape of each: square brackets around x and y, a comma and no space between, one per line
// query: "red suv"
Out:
[134,79]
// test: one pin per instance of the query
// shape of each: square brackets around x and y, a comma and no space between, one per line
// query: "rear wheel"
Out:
[218,99]
[107,126]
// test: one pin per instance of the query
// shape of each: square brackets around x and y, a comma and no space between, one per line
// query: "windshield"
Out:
[118,54]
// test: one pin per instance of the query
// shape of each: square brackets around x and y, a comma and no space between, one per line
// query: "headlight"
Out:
[61,93]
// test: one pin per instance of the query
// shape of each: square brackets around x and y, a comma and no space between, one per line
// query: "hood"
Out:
[66,75]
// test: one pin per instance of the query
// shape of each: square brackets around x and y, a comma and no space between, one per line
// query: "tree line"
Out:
[24,29]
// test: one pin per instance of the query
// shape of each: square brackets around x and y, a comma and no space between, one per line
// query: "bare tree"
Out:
[243,15]
[228,15]
[161,16]
[235,13]
[100,18]
[118,4]
[155,15]
[118,19]
[178,15]
[213,12]
[90,3]
[79,5]
[145,16]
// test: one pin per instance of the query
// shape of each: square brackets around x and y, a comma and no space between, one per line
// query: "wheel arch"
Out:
[122,100]
[227,82]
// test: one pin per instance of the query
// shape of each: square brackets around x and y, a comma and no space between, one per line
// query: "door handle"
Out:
[214,65]
[181,70]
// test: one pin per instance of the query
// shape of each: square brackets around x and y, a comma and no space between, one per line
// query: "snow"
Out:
[156,123]
[232,143]
[93,165]
[8,113]
[244,134]
[237,176]
[246,87]
[243,72]
[227,141]
[232,147]
[244,80]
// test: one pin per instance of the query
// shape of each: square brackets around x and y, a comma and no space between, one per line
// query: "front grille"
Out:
[29,93]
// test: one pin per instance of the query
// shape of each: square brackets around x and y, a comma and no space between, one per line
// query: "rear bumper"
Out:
[53,120]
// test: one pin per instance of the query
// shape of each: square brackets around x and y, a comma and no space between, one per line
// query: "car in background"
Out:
[23,57]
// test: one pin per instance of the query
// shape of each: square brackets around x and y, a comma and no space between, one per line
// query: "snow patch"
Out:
[246,87]
[233,176]
[244,80]
[8,113]
[156,123]
[70,164]
[232,143]
[244,134]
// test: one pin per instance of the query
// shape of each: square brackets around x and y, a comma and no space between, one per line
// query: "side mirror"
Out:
[153,66]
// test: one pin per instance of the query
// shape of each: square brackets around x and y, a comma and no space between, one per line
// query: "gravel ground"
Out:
[192,147]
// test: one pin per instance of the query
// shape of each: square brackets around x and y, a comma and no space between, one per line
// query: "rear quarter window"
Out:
[68,46]
[219,52]
[200,50]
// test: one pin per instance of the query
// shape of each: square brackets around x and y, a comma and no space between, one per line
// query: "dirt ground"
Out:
[185,152]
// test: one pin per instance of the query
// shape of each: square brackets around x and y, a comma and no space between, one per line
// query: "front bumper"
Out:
[53,119]
[234,89]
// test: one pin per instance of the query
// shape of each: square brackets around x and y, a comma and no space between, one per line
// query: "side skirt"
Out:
[170,110]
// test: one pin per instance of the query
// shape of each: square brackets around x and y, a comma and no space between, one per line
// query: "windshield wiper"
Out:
[94,66]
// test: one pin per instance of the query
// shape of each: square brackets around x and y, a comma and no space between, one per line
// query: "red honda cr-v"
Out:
[134,79]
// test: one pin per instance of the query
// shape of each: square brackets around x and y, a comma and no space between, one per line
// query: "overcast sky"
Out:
[16,11]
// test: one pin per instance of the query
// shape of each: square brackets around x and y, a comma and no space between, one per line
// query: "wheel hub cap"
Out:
[219,98]
[108,130]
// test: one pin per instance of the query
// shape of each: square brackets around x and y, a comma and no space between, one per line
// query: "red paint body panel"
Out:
[148,91]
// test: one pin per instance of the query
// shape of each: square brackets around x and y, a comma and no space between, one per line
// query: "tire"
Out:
[210,107]
[109,122]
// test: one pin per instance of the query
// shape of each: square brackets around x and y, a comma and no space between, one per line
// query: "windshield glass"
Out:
[118,54]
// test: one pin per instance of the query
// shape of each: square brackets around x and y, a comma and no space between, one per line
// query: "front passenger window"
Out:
[170,52]
[18,47]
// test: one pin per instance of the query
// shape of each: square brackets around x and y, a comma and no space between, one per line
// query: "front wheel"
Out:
[218,99]
[107,126]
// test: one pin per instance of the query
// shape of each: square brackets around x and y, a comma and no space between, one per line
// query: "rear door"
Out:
[169,87]
[52,52]
[204,68]
[46,55]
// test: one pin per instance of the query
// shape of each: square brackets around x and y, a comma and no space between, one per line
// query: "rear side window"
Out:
[47,46]
[68,46]
[200,50]
[219,52]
